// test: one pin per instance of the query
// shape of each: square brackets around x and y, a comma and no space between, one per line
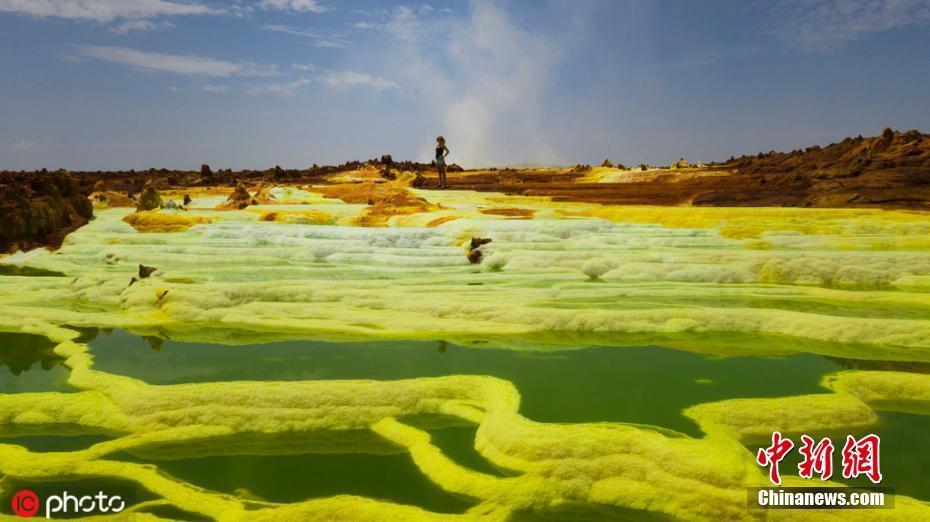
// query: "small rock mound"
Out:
[146,271]
[239,199]
[149,200]
[474,252]
[40,209]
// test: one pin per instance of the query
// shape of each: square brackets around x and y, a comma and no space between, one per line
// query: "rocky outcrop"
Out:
[475,255]
[149,200]
[239,199]
[889,170]
[386,163]
[40,209]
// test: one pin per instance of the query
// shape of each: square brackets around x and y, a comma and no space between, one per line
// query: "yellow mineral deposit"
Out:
[764,282]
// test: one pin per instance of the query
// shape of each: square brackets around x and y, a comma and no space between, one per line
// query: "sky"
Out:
[134,84]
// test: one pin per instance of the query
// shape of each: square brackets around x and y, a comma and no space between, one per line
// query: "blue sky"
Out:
[119,84]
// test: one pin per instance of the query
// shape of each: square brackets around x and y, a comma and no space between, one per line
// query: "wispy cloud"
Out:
[303,66]
[22,145]
[365,26]
[183,64]
[279,88]
[484,78]
[140,26]
[706,56]
[318,39]
[105,10]
[819,25]
[306,6]
[215,88]
[344,80]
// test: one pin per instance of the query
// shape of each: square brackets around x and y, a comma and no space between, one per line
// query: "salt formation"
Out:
[714,281]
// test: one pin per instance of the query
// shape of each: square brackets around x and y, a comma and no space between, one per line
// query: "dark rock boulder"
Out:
[146,271]
[386,163]
[40,209]
[474,252]
[239,199]
[149,200]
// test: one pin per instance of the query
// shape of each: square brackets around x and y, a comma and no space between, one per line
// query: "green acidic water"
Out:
[647,385]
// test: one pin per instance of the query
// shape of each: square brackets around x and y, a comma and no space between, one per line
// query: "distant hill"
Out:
[891,169]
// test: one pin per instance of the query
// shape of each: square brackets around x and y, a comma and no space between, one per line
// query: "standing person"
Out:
[441,152]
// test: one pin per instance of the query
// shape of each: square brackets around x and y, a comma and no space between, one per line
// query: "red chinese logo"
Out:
[773,455]
[860,457]
[817,458]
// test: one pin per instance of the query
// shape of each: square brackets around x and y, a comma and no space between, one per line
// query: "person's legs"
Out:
[442,175]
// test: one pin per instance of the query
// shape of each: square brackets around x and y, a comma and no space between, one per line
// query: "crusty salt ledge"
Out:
[556,276]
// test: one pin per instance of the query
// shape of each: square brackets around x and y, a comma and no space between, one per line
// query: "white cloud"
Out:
[282,88]
[22,145]
[482,78]
[706,56]
[365,26]
[104,10]
[306,6]
[319,39]
[344,80]
[214,88]
[140,25]
[819,25]
[303,66]
[184,64]
[404,24]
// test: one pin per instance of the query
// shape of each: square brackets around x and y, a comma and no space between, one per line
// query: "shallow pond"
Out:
[647,385]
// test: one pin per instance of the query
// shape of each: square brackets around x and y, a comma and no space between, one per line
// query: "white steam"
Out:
[484,80]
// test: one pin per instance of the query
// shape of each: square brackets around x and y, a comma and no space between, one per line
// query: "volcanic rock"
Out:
[386,163]
[39,209]
[474,252]
[150,200]
[145,271]
[239,199]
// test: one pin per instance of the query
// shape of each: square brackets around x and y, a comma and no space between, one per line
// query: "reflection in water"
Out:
[154,342]
[888,366]
[302,476]
[648,385]
[18,352]
[27,271]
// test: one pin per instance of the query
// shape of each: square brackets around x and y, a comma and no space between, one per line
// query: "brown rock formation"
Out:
[239,199]
[475,255]
[40,209]
[146,271]
[890,170]
[149,200]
